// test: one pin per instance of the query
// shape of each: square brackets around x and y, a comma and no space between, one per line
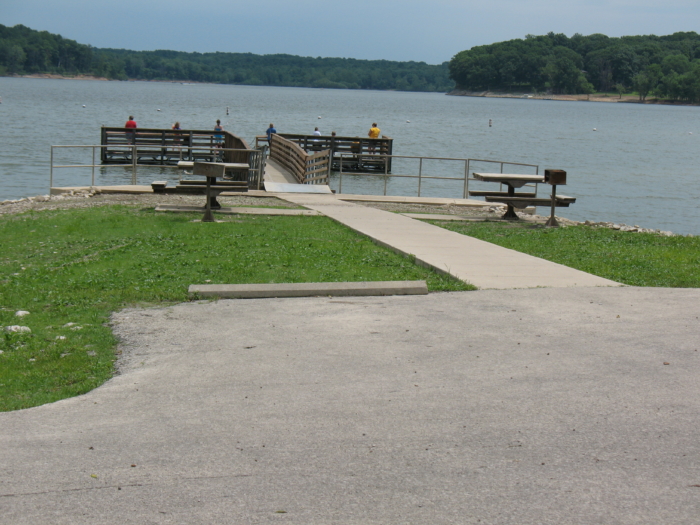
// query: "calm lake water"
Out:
[640,167]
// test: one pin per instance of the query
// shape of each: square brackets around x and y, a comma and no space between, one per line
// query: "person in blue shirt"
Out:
[269,132]
[218,137]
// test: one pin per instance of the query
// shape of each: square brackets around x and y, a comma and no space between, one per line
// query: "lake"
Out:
[640,166]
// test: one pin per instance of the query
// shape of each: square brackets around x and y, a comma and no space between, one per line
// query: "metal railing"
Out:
[255,172]
[421,177]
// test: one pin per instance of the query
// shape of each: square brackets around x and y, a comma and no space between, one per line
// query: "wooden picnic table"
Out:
[211,187]
[517,200]
[228,166]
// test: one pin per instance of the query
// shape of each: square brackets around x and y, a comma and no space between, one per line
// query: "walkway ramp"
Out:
[477,262]
[278,179]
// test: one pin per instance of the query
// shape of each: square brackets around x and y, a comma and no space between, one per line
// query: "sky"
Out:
[431,31]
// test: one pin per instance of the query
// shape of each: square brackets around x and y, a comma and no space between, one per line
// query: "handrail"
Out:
[338,145]
[161,142]
[306,168]
[465,177]
[254,159]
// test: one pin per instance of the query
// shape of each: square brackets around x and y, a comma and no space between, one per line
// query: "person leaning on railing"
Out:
[270,131]
[374,132]
[218,137]
[176,136]
[130,124]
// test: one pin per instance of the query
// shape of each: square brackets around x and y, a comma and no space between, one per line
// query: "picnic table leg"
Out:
[552,222]
[510,214]
[208,215]
[212,198]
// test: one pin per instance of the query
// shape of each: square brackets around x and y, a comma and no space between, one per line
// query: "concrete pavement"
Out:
[477,262]
[523,407]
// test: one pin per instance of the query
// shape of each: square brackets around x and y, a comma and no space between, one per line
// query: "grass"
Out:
[79,266]
[636,259]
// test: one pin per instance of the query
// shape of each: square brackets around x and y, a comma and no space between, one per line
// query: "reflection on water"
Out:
[639,167]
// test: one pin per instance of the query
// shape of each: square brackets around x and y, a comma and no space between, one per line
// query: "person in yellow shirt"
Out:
[374,132]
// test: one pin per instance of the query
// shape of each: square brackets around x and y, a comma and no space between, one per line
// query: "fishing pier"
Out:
[296,163]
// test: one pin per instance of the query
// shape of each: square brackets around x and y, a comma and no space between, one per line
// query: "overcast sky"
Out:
[422,30]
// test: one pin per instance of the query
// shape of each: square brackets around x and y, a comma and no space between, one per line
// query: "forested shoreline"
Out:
[665,67]
[24,51]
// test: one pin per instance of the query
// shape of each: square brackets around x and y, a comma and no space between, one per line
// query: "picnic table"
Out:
[518,200]
[212,187]
[228,167]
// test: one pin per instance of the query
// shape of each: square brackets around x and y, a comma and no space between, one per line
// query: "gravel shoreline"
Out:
[91,199]
[94,198]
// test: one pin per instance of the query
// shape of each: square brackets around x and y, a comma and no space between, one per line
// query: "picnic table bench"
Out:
[524,199]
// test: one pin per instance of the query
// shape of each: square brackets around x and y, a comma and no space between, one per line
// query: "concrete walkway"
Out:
[550,406]
[480,263]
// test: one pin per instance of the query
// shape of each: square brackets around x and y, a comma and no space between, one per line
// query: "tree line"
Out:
[26,51]
[666,67]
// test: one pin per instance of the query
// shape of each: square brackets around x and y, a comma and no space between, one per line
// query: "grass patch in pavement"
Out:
[635,259]
[72,268]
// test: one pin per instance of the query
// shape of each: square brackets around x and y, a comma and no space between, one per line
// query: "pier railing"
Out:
[343,149]
[462,166]
[164,147]
[306,168]
[255,159]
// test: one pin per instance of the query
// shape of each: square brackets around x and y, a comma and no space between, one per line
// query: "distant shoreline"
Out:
[54,76]
[631,99]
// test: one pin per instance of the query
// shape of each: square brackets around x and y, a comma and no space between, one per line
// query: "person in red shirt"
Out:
[130,124]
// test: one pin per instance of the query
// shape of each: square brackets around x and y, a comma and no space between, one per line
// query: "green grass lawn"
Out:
[78,266]
[636,259]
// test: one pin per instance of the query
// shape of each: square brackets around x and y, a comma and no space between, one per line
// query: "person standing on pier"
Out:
[218,137]
[131,125]
[270,131]
[317,133]
[374,132]
[176,137]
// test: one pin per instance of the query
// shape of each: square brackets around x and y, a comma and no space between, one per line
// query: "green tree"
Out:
[620,88]
[642,85]
[14,58]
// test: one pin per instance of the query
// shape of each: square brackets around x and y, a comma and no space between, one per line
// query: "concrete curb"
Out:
[256,291]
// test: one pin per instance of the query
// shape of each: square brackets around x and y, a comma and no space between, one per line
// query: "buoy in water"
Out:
[408,121]
[83,105]
[319,116]
[595,129]
[158,109]
[490,122]
[227,110]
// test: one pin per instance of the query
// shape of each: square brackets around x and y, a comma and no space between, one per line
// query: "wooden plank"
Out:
[478,193]
[508,177]
[209,169]
[524,202]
